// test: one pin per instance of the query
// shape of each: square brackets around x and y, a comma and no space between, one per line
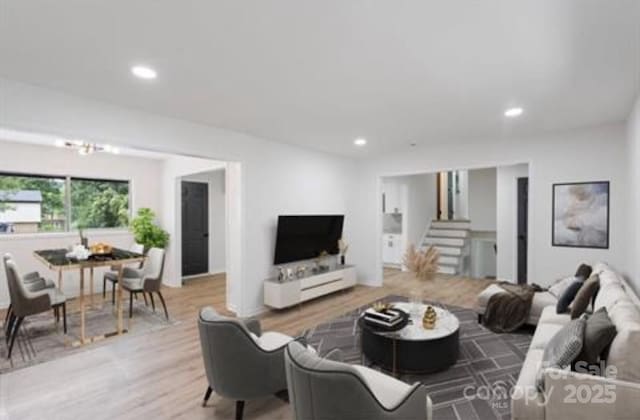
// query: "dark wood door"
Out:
[523,224]
[195,228]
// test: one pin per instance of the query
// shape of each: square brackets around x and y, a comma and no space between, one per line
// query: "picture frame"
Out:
[580,214]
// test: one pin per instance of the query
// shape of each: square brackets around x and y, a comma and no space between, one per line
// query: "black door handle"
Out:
[206,235]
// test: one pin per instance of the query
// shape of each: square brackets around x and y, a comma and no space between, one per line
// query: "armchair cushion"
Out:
[273,340]
[388,390]
[111,276]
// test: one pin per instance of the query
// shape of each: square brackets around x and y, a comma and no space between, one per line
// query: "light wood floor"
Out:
[160,375]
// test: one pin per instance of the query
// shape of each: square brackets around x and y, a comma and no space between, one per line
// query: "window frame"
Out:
[67,202]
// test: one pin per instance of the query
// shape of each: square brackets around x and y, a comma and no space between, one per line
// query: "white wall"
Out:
[482,199]
[507,220]
[634,194]
[597,153]
[420,204]
[26,158]
[215,181]
[275,178]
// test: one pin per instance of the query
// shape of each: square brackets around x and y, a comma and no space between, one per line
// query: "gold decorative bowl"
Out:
[101,249]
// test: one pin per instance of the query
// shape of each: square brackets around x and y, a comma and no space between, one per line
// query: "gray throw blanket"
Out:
[509,310]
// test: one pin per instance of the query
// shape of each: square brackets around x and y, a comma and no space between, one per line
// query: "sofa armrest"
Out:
[577,395]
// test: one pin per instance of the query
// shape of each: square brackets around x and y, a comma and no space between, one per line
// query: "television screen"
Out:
[305,237]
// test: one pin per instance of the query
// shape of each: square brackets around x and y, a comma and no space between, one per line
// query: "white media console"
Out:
[285,293]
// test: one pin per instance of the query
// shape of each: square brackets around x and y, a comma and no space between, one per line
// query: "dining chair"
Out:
[147,280]
[26,303]
[32,281]
[112,276]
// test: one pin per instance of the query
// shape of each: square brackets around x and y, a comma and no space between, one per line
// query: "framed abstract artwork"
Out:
[581,215]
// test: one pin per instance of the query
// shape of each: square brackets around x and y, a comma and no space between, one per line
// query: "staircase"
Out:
[451,239]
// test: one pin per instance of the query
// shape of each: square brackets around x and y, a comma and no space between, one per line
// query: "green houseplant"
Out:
[147,232]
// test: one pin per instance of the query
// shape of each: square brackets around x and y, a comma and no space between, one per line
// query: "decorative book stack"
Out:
[388,317]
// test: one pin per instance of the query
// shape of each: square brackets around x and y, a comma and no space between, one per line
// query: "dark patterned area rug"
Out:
[477,387]
[41,339]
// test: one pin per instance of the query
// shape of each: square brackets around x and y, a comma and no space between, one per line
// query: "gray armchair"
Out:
[32,281]
[241,362]
[25,302]
[322,389]
[146,280]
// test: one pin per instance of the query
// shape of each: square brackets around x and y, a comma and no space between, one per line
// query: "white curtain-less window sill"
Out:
[89,233]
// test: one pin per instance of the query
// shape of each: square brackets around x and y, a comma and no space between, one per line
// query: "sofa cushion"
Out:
[562,349]
[544,333]
[540,301]
[558,288]
[623,352]
[609,295]
[568,295]
[585,295]
[584,271]
[526,401]
[549,316]
[599,331]
[485,295]
[387,389]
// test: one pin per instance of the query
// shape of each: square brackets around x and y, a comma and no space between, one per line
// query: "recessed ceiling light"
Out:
[513,112]
[360,141]
[144,72]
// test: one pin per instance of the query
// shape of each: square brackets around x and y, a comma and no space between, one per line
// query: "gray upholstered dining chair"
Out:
[320,389]
[240,361]
[112,275]
[25,302]
[146,280]
[32,281]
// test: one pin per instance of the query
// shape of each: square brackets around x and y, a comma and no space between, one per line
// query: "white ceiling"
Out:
[320,73]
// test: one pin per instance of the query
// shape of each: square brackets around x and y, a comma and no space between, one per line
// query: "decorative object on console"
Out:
[343,247]
[429,318]
[581,215]
[424,264]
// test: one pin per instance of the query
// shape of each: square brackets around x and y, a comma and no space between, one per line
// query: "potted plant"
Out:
[147,232]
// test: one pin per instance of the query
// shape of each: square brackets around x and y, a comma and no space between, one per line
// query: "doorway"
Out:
[523,225]
[195,228]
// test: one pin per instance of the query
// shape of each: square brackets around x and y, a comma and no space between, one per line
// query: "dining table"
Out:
[60,260]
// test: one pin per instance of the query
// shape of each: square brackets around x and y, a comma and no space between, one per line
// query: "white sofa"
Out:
[571,395]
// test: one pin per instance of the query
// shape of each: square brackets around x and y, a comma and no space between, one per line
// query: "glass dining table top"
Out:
[58,257]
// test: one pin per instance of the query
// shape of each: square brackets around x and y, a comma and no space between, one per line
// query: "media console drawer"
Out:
[289,293]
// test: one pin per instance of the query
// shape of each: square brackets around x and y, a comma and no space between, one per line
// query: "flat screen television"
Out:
[305,237]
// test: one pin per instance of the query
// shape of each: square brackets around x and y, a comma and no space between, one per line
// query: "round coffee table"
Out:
[413,349]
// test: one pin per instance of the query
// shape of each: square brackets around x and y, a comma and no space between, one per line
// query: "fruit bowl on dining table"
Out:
[101,249]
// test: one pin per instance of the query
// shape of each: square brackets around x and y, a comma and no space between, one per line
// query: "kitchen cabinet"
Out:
[392,249]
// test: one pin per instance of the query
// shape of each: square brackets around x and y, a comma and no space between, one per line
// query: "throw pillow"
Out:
[558,288]
[562,349]
[599,332]
[585,295]
[569,294]
[584,271]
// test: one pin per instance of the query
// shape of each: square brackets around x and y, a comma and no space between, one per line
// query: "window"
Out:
[99,203]
[40,203]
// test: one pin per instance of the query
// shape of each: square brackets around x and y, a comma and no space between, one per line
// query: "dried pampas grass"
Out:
[423,263]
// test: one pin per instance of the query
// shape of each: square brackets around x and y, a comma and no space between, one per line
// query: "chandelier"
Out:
[85,148]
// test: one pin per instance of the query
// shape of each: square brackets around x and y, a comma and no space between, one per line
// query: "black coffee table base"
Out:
[410,356]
